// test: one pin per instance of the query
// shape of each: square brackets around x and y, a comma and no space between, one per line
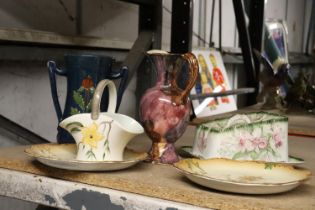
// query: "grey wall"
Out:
[202,20]
[43,15]
[25,97]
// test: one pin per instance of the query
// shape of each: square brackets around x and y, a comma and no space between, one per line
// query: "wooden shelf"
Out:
[300,59]
[49,38]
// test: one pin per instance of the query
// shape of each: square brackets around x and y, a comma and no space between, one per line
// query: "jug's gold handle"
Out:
[97,97]
[193,73]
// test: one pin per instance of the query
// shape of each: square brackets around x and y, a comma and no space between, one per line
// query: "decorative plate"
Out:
[186,151]
[247,177]
[64,156]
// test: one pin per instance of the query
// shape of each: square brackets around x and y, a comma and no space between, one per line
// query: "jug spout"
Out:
[124,129]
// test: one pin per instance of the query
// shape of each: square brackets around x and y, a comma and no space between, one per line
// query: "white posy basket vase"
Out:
[102,136]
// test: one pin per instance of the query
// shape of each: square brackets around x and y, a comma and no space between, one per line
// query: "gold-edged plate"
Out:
[246,177]
[64,156]
[186,151]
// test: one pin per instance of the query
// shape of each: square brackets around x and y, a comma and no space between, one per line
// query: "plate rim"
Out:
[299,160]
[242,188]
[142,156]
[242,183]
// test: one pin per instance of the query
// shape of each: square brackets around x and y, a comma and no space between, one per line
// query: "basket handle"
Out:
[97,97]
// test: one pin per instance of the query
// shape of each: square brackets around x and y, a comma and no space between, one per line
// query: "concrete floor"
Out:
[14,204]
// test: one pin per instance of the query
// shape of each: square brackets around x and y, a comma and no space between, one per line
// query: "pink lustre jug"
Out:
[165,108]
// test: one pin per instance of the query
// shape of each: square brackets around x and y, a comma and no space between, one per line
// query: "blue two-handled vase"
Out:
[83,72]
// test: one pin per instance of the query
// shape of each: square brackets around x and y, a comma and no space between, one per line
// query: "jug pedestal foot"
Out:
[163,152]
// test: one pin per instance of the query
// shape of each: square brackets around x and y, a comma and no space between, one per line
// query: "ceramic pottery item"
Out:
[186,151]
[83,72]
[248,177]
[165,108]
[253,136]
[64,156]
[102,136]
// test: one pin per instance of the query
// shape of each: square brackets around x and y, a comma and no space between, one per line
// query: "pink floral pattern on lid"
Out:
[256,145]
[263,138]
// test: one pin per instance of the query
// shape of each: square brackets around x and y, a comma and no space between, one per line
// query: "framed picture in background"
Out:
[212,78]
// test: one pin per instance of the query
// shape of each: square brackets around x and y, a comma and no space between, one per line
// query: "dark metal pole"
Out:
[150,30]
[220,25]
[181,33]
[256,29]
[246,49]
[211,24]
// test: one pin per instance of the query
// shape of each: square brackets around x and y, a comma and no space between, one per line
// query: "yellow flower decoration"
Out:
[91,135]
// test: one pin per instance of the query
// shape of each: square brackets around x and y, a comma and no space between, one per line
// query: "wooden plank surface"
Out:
[165,182]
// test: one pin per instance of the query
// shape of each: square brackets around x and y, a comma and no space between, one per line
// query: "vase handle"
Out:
[193,73]
[97,97]
[53,70]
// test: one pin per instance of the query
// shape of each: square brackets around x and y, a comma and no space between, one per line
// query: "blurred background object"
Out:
[282,86]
